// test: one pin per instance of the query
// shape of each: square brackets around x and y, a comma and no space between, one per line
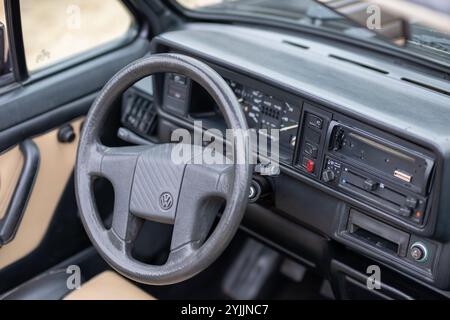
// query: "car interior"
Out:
[358,207]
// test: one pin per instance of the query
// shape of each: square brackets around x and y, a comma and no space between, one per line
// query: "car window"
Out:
[426,22]
[55,30]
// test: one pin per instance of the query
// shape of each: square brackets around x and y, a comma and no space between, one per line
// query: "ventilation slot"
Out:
[427,86]
[139,114]
[359,64]
[295,44]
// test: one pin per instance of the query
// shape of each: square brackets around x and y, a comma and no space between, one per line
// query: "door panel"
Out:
[11,165]
[56,165]
[50,230]
[22,190]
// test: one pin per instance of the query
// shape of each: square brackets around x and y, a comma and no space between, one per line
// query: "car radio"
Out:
[380,172]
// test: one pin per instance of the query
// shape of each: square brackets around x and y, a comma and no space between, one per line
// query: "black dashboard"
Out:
[364,143]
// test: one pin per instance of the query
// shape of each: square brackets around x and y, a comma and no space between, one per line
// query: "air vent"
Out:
[295,44]
[139,114]
[427,86]
[359,64]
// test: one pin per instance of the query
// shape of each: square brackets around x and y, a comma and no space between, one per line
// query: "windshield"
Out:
[424,41]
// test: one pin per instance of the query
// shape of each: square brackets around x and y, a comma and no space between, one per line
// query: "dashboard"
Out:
[361,162]
[380,170]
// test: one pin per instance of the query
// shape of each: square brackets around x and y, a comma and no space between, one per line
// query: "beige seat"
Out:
[109,285]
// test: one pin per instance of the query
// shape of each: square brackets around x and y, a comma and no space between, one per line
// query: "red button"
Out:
[310,166]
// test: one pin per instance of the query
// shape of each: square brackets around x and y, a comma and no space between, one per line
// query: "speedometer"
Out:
[266,111]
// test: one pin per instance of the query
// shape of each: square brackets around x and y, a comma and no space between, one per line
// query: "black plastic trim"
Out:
[11,221]
[16,47]
[46,121]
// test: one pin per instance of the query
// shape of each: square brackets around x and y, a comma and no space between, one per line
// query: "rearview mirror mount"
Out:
[374,17]
[391,18]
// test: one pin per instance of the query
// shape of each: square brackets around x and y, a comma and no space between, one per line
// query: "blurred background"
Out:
[54,30]
[57,29]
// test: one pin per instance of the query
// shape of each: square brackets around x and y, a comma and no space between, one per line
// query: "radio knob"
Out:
[328,175]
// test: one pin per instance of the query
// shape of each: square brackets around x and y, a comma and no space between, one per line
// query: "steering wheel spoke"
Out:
[201,202]
[118,165]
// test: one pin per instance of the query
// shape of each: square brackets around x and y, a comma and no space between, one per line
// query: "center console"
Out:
[385,172]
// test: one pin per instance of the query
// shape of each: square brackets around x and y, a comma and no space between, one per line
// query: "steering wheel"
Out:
[148,185]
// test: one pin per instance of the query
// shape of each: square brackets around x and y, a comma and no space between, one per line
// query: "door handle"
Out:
[16,208]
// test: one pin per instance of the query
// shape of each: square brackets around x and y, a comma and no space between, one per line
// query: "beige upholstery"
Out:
[56,165]
[11,164]
[108,286]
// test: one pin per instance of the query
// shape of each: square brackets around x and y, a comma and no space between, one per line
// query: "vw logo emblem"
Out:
[165,201]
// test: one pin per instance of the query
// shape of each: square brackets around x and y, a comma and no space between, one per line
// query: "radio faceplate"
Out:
[377,171]
[374,190]
[406,168]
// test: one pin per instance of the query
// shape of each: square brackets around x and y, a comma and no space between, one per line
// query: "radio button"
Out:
[405,212]
[370,185]
[411,202]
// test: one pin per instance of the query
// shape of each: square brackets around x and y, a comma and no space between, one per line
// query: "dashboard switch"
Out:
[315,121]
[310,165]
[311,150]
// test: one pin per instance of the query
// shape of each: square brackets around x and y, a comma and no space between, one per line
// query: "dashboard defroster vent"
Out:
[360,64]
[427,86]
[296,44]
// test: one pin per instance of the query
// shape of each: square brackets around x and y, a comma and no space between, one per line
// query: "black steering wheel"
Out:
[148,185]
